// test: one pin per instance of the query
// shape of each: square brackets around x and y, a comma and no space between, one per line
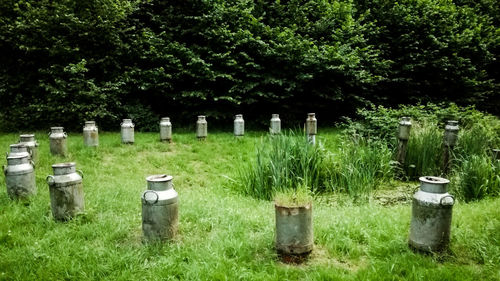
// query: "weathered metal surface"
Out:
[431,215]
[165,129]
[90,134]
[18,149]
[311,127]
[275,126]
[127,131]
[451,133]
[201,128]
[294,230]
[20,177]
[66,191]
[58,145]
[239,125]
[30,142]
[160,214]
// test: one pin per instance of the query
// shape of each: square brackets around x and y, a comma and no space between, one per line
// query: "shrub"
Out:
[476,177]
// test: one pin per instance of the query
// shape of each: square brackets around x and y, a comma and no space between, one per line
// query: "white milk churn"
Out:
[311,128]
[66,191]
[20,177]
[58,145]
[90,134]
[127,130]
[30,142]
[201,128]
[275,126]
[18,149]
[239,125]
[165,129]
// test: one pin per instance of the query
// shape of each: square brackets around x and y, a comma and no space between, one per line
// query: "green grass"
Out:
[223,235]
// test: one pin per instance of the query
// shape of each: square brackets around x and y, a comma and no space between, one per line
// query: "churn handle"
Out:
[33,163]
[4,169]
[449,195]
[50,180]
[150,191]
[80,172]
[65,135]
[6,154]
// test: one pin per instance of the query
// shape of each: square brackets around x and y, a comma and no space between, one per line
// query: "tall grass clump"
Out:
[359,166]
[423,156]
[476,177]
[283,162]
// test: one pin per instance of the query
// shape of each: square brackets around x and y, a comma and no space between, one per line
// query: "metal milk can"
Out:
[57,139]
[275,127]
[20,176]
[311,127]
[127,130]
[29,141]
[239,125]
[404,128]
[160,215]
[451,133]
[165,129]
[18,149]
[90,134]
[201,128]
[431,215]
[66,191]
[294,229]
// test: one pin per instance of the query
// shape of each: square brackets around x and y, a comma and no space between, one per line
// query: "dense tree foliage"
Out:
[65,61]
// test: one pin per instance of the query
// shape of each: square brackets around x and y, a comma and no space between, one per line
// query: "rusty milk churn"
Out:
[66,191]
[29,141]
[160,215]
[90,134]
[201,128]
[20,176]
[127,130]
[311,128]
[57,138]
[431,215]
[294,229]
[239,125]
[451,133]
[18,149]
[165,129]
[275,127]
[403,137]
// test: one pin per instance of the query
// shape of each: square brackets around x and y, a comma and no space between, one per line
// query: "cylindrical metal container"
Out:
[20,177]
[165,129]
[18,149]
[58,145]
[311,127]
[201,127]
[451,133]
[66,191]
[431,215]
[127,130]
[160,214]
[404,128]
[90,134]
[30,142]
[275,127]
[239,125]
[294,229]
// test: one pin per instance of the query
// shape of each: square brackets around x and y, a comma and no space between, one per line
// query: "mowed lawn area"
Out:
[223,235]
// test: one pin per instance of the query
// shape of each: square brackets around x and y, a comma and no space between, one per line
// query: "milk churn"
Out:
[160,216]
[275,124]
[20,176]
[90,134]
[127,129]
[451,133]
[403,136]
[239,125]
[431,215]
[165,129]
[18,149]
[201,128]
[311,128]
[66,191]
[57,139]
[29,141]
[294,229]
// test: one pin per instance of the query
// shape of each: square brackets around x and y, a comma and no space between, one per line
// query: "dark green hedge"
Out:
[65,61]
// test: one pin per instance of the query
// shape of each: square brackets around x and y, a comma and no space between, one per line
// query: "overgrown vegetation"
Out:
[66,61]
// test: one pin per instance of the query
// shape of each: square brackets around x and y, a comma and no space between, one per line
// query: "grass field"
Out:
[222,235]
